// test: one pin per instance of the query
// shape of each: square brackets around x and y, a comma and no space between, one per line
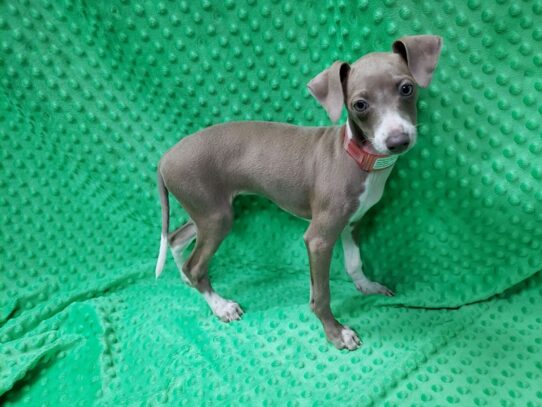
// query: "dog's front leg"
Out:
[354,266]
[319,239]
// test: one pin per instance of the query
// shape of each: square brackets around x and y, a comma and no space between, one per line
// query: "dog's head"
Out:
[379,91]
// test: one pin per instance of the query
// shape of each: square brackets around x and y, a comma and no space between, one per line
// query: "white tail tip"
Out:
[161,256]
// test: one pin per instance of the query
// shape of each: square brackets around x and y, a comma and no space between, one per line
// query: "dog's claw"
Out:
[346,339]
[372,287]
[229,311]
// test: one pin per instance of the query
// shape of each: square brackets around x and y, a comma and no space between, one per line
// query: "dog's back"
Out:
[257,157]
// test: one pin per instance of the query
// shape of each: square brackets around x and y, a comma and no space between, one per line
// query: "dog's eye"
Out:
[406,89]
[360,105]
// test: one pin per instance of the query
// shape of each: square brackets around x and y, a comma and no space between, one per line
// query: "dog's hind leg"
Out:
[178,240]
[212,228]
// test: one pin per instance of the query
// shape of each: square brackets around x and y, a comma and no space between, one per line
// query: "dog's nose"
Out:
[397,142]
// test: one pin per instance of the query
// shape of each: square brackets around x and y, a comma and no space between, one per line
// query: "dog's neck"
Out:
[355,132]
[356,147]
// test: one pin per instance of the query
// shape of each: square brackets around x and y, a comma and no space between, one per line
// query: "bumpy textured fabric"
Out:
[93,92]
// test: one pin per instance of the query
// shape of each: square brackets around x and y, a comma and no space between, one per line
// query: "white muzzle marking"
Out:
[390,121]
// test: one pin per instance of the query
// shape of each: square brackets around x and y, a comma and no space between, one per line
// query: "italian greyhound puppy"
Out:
[328,175]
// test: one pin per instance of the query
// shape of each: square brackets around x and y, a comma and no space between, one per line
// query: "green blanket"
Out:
[93,92]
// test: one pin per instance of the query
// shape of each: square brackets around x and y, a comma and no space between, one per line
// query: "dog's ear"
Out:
[421,53]
[327,88]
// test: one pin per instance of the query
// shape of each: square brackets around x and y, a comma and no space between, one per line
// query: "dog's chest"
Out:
[374,188]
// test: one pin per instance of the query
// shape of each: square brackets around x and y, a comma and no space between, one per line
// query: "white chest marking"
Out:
[374,188]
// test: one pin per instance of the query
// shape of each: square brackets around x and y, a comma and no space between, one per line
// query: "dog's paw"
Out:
[228,311]
[346,338]
[372,287]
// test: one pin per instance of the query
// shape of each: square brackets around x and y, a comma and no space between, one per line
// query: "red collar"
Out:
[366,160]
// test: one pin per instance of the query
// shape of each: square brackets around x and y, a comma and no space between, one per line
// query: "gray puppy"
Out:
[328,175]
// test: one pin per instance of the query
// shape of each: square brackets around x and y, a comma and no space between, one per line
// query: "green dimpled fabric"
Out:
[93,93]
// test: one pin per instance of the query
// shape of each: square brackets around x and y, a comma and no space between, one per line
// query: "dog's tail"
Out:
[164,202]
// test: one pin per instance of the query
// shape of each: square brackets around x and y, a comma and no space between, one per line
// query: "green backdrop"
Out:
[93,92]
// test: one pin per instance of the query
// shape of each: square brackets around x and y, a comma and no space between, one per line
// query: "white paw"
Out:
[224,309]
[348,339]
[228,311]
[372,287]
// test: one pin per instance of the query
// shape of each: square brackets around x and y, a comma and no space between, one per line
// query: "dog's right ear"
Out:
[327,88]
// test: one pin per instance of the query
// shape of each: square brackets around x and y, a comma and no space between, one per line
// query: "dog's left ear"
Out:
[327,88]
[421,53]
